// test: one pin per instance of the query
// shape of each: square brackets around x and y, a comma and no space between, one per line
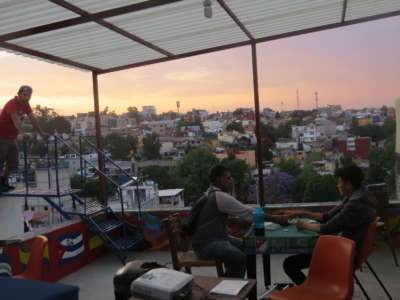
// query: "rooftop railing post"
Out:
[56,168]
[26,167]
[258,132]
[98,135]
[81,161]
[48,163]
[105,183]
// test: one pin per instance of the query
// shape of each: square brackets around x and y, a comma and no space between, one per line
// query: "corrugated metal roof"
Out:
[106,36]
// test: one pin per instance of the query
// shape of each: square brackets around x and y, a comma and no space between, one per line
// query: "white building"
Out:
[171,198]
[148,111]
[286,144]
[308,133]
[146,192]
[213,126]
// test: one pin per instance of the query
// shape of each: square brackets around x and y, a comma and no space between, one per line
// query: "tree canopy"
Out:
[193,170]
[120,147]
[235,126]
[151,146]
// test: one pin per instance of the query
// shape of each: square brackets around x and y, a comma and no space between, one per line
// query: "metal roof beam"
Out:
[259,40]
[80,20]
[110,26]
[235,18]
[344,10]
[46,56]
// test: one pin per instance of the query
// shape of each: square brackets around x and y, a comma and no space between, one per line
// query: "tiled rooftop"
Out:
[96,279]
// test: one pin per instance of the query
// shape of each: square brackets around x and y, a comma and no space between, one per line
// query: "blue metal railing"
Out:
[105,157]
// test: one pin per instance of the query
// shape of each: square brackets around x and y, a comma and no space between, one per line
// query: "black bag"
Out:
[189,227]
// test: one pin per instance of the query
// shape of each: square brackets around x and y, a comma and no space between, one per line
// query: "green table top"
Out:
[282,239]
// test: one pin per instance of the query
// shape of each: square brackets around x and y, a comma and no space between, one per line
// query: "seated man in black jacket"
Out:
[350,218]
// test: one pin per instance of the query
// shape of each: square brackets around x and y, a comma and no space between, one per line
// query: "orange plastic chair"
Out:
[35,265]
[366,250]
[331,272]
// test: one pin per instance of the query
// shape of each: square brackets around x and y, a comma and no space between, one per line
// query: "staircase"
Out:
[100,218]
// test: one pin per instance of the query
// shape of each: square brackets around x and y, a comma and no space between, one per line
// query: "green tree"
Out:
[235,126]
[284,130]
[240,172]
[120,147]
[237,112]
[289,166]
[315,156]
[321,188]
[134,114]
[389,127]
[91,188]
[192,172]
[151,146]
[347,160]
[59,124]
[160,175]
[300,182]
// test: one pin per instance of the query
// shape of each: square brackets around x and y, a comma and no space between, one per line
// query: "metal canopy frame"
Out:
[8,40]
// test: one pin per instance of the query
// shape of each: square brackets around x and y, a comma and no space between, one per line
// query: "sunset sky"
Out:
[355,66]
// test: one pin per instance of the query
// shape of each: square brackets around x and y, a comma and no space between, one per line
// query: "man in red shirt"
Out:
[11,118]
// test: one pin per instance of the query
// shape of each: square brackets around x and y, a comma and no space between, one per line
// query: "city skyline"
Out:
[355,66]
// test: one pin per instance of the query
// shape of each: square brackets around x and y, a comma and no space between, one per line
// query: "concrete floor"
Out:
[96,279]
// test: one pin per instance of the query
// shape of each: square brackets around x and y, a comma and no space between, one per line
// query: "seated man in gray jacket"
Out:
[210,239]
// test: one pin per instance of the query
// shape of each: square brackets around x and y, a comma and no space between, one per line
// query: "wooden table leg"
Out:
[267,269]
[252,273]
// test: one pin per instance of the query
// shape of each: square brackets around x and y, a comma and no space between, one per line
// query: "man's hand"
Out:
[305,225]
[281,219]
[301,224]
[25,136]
[300,213]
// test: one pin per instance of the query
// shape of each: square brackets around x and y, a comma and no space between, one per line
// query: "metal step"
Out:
[107,225]
[92,207]
[126,243]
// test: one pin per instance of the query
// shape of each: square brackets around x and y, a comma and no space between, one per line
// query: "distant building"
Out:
[308,133]
[248,156]
[213,126]
[171,198]
[391,113]
[269,113]
[148,111]
[356,147]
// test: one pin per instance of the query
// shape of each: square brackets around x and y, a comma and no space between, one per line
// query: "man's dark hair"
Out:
[25,88]
[217,171]
[351,173]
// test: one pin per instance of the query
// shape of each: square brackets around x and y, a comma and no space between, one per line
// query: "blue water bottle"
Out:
[258,215]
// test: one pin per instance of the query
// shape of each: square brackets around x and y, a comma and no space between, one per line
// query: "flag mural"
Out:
[5,264]
[71,247]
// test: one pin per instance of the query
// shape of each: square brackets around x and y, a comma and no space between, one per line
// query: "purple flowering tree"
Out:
[277,188]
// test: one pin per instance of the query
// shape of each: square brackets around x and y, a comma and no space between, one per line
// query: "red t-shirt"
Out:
[7,128]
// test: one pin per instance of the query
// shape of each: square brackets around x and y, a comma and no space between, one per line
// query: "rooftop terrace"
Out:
[96,279]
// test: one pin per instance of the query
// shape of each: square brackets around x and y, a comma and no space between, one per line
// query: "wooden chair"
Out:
[34,267]
[381,197]
[181,256]
[331,273]
[366,250]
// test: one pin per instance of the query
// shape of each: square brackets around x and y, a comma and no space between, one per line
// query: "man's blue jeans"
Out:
[230,252]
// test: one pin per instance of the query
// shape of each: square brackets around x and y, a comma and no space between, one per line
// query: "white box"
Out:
[162,284]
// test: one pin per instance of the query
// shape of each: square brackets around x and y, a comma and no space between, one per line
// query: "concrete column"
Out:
[11,216]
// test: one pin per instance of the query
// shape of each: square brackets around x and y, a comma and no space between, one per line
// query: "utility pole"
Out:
[316,100]
[281,106]
[298,100]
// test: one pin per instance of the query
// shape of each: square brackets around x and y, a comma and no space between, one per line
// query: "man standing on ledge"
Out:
[210,239]
[11,118]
